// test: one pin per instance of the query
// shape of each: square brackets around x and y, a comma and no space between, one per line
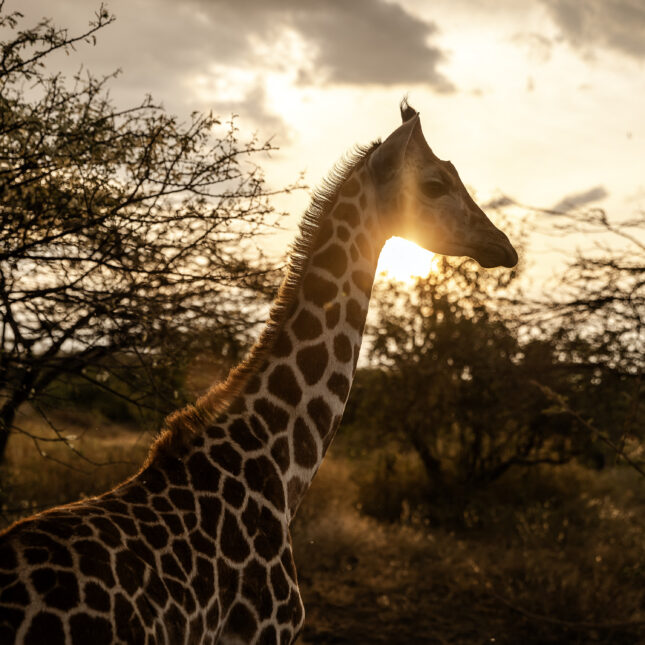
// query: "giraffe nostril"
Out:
[502,254]
[496,253]
[500,251]
[511,257]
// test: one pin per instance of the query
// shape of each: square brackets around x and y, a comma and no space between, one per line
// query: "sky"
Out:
[541,100]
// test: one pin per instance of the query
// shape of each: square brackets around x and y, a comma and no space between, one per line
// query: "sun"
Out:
[404,261]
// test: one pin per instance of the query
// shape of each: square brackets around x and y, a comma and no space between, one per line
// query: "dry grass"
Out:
[98,455]
[552,556]
[549,556]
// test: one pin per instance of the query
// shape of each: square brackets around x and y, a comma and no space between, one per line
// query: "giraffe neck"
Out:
[313,361]
[289,396]
[299,394]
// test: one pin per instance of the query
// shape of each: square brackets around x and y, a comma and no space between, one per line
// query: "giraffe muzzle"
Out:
[497,254]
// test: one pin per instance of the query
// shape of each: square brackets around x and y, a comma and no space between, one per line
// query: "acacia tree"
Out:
[451,379]
[595,313]
[476,383]
[601,291]
[122,231]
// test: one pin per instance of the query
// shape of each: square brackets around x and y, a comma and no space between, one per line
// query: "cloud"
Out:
[578,200]
[499,202]
[538,46]
[172,49]
[368,41]
[616,24]
[164,49]
[253,102]
[358,42]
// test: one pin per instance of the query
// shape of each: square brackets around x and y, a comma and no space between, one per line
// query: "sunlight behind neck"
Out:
[404,261]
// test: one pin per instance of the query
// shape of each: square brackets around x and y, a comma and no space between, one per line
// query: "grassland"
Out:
[550,555]
[95,455]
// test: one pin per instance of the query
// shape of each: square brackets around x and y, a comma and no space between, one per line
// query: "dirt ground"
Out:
[553,557]
[363,581]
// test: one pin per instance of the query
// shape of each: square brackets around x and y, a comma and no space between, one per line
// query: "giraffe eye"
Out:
[433,189]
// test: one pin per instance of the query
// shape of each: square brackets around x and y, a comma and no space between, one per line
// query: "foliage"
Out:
[593,312]
[544,555]
[477,377]
[93,456]
[451,379]
[599,299]
[123,231]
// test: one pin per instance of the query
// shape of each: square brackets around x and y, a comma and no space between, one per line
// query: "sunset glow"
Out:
[234,232]
[404,261]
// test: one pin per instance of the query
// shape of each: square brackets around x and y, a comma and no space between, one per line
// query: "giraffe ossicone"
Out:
[195,548]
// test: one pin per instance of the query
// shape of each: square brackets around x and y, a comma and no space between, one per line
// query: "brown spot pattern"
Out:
[232,541]
[295,490]
[241,434]
[312,362]
[355,315]
[332,315]
[320,414]
[275,417]
[364,247]
[203,474]
[280,452]
[283,384]
[281,348]
[342,348]
[241,622]
[332,259]
[363,281]
[306,326]
[227,457]
[347,213]
[338,384]
[45,628]
[262,477]
[304,446]
[343,233]
[253,384]
[318,290]
[351,187]
[325,232]
[269,539]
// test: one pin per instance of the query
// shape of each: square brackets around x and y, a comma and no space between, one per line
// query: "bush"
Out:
[392,487]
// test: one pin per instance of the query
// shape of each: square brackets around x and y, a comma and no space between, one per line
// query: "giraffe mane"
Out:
[180,426]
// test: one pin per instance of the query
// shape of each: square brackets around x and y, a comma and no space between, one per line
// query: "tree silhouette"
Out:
[123,231]
[451,379]
[594,311]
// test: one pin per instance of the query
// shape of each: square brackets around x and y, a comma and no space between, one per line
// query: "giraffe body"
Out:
[195,548]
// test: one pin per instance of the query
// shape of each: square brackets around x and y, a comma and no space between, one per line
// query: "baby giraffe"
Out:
[195,548]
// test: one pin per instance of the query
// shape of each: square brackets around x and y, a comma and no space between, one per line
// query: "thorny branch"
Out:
[563,407]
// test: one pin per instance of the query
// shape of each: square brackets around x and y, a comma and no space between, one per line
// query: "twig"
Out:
[69,445]
[564,408]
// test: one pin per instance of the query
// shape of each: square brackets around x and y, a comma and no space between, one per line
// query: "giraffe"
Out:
[195,548]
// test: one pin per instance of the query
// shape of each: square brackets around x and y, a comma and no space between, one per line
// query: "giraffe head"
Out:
[423,199]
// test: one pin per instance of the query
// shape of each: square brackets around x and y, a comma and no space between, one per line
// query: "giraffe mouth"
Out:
[498,253]
[495,250]
[495,255]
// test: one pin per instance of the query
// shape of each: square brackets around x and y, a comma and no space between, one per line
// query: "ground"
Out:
[554,555]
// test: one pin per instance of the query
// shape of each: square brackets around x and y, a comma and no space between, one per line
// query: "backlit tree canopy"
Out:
[122,230]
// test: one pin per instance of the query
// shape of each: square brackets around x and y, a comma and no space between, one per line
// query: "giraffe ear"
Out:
[407,111]
[386,161]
